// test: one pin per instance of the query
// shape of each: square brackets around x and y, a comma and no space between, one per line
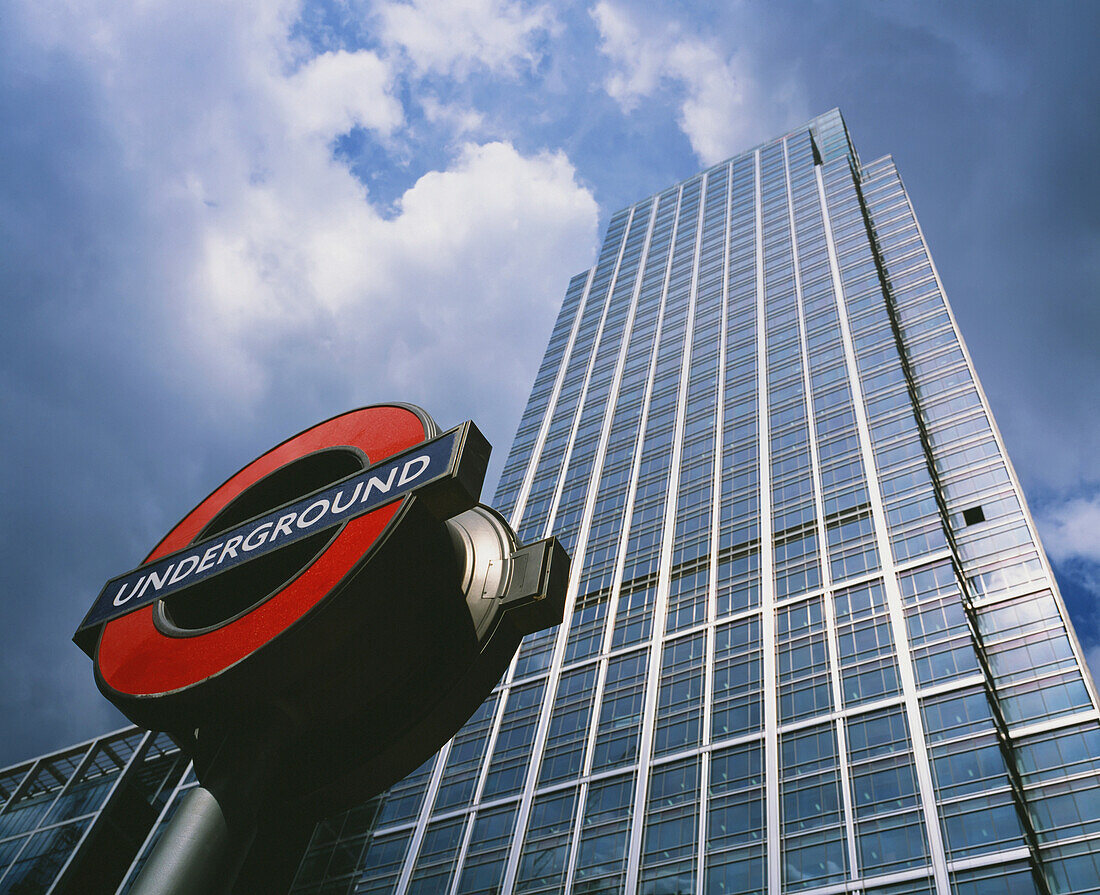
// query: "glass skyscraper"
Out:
[812,643]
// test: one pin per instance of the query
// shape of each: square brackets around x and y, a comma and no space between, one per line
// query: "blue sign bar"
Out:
[358,494]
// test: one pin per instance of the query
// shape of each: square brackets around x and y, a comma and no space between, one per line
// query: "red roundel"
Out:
[139,656]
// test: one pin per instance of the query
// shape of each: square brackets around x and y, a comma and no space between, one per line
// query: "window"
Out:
[601,857]
[671,828]
[868,666]
[803,661]
[680,695]
[436,861]
[483,868]
[890,834]
[973,515]
[814,849]
[1002,879]
[546,846]
[564,753]
[621,711]
[737,698]
[982,824]
[456,787]
[382,863]
[513,746]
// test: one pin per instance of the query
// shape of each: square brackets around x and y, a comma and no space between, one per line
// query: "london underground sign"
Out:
[425,465]
[319,625]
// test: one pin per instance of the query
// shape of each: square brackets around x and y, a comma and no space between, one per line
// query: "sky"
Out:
[223,222]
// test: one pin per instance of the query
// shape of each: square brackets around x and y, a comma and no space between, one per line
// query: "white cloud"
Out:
[434,304]
[456,37]
[459,119]
[1071,530]
[334,92]
[641,60]
[267,250]
[723,107]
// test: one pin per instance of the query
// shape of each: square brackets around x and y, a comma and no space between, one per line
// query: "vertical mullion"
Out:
[550,696]
[551,405]
[715,521]
[767,576]
[412,851]
[19,786]
[505,691]
[634,841]
[605,436]
[823,548]
[555,504]
[632,486]
[886,560]
[620,561]
[464,846]
[536,454]
[660,607]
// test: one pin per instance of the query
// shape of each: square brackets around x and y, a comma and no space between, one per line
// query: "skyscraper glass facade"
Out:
[812,643]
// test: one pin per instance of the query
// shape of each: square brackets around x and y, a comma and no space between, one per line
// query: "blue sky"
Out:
[220,223]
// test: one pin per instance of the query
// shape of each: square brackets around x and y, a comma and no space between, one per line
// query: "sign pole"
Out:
[199,852]
[206,842]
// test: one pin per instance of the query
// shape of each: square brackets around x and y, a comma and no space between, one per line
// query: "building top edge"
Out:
[830,134]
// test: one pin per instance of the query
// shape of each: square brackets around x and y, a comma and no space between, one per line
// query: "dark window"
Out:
[973,515]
